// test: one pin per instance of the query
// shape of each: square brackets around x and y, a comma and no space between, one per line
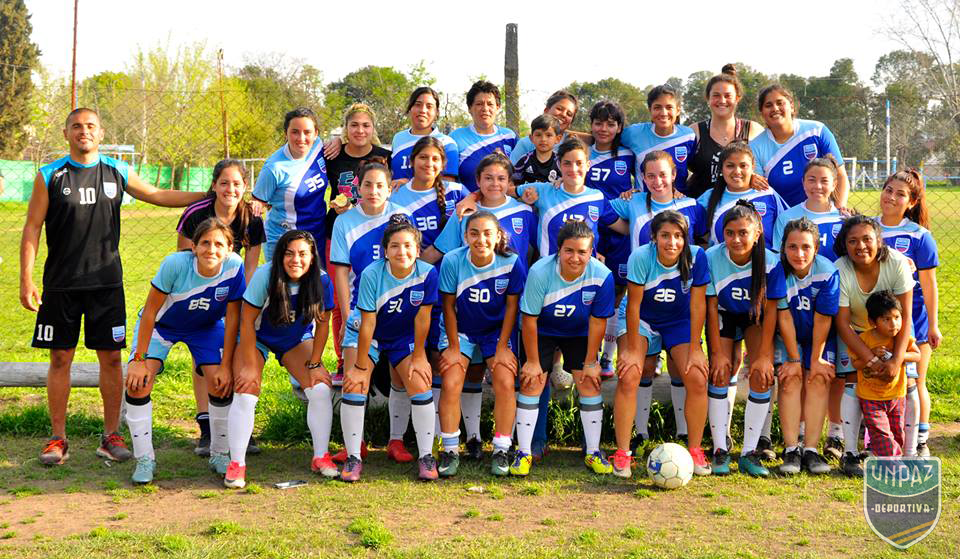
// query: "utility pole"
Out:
[73,79]
[888,137]
[511,78]
[223,107]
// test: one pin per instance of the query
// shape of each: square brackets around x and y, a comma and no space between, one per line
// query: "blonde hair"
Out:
[358,108]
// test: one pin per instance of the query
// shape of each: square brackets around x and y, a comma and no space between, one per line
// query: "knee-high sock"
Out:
[352,410]
[641,420]
[240,423]
[768,420]
[610,339]
[140,421]
[319,417]
[678,395]
[851,415]
[757,405]
[471,400]
[718,415]
[923,433]
[399,408]
[732,399]
[591,416]
[435,389]
[424,416]
[219,424]
[528,408]
[911,422]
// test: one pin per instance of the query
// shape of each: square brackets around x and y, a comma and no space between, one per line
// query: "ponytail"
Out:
[438,185]
[828,162]
[744,209]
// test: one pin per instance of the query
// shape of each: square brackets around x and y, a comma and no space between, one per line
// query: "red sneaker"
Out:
[701,466]
[621,464]
[113,448]
[397,452]
[341,456]
[236,477]
[55,452]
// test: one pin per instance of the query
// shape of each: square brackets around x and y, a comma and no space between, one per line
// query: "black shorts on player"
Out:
[573,349]
[733,325]
[104,318]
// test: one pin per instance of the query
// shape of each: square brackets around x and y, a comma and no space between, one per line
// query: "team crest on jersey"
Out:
[835,230]
[66,191]
[587,297]
[620,167]
[221,293]
[119,333]
[517,223]
[593,212]
[416,297]
[500,285]
[809,151]
[449,209]
[902,244]
[761,208]
[844,360]
[622,270]
[685,286]
[110,189]
[681,154]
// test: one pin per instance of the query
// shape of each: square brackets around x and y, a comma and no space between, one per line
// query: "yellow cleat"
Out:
[521,464]
[598,463]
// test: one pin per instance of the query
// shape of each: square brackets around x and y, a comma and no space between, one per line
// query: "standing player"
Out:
[820,178]
[563,106]
[663,133]
[422,108]
[78,199]
[483,137]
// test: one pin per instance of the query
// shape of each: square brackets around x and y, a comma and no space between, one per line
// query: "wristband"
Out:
[794,360]
[314,365]
[138,357]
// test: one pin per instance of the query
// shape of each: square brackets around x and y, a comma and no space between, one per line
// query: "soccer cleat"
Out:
[814,463]
[253,447]
[449,463]
[397,452]
[561,379]
[621,464]
[427,468]
[236,476]
[203,445]
[324,466]
[606,369]
[341,456]
[113,448]
[833,448]
[850,465]
[474,450]
[143,471]
[701,466]
[500,463]
[636,442]
[750,463]
[219,462]
[598,463]
[351,469]
[765,449]
[923,451]
[721,462]
[792,462]
[55,452]
[521,464]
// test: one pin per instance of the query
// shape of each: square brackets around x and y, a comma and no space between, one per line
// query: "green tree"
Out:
[913,130]
[843,103]
[631,99]
[20,57]
[279,85]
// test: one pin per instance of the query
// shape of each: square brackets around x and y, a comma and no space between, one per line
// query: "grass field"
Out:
[88,508]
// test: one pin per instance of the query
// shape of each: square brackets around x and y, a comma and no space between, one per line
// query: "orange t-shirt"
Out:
[873,388]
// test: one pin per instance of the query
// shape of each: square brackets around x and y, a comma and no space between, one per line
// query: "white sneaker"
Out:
[561,379]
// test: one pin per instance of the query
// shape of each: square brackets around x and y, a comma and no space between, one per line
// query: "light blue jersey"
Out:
[481,292]
[612,175]
[681,145]
[401,162]
[296,190]
[555,206]
[279,339]
[783,164]
[828,223]
[767,202]
[917,244]
[195,302]
[422,207]
[730,283]
[396,300]
[817,292]
[564,307]
[356,241]
[473,147]
[516,219]
[666,298]
[634,212]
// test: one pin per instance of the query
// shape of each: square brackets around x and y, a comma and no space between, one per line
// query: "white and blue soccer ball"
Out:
[670,466]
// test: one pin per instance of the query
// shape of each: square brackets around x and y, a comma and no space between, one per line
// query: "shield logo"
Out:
[66,191]
[901,497]
[685,286]
[500,285]
[119,333]
[810,151]
[902,244]
[517,223]
[449,209]
[844,360]
[622,270]
[829,356]
[416,297]
[110,189]
[681,154]
[836,229]
[761,208]
[221,293]
[587,297]
[593,212]
[620,167]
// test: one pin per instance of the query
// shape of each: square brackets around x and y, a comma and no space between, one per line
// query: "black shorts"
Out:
[104,315]
[573,349]
[733,324]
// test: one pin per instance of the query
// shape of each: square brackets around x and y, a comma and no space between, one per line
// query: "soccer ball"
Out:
[670,466]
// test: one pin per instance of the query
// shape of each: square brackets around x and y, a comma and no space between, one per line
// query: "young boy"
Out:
[540,165]
[882,398]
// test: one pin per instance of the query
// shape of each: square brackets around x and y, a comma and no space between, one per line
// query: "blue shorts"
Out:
[206,346]
[654,341]
[437,336]
[806,350]
[479,348]
[266,347]
[396,350]
[921,325]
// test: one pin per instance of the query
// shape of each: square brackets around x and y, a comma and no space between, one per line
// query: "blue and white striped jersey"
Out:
[401,160]
[422,207]
[564,307]
[195,302]
[917,244]
[291,334]
[611,174]
[666,298]
[730,283]
[828,223]
[768,203]
[681,145]
[481,292]
[817,292]
[555,206]
[473,147]
[516,219]
[783,164]
[356,241]
[635,212]
[396,300]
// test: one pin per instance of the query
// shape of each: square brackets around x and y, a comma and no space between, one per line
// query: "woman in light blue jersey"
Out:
[820,178]
[483,137]
[663,132]
[423,107]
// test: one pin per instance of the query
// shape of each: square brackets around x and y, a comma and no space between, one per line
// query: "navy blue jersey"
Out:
[917,244]
[666,298]
[641,138]
[291,334]
[481,292]
[828,223]
[473,147]
[783,164]
[730,282]
[817,292]
[396,300]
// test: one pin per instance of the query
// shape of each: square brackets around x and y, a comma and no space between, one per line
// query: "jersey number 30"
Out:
[475,295]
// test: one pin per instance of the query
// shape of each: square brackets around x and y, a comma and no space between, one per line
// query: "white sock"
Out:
[718,415]
[810,449]
[140,423]
[757,405]
[451,441]
[319,417]
[765,431]
[911,422]
[423,412]
[835,430]
[352,410]
[591,416]
[642,419]
[471,399]
[528,407]
[240,423]
[851,415]
[219,425]
[501,442]
[435,394]
[398,405]
[610,339]
[732,399]
[678,395]
[923,433]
